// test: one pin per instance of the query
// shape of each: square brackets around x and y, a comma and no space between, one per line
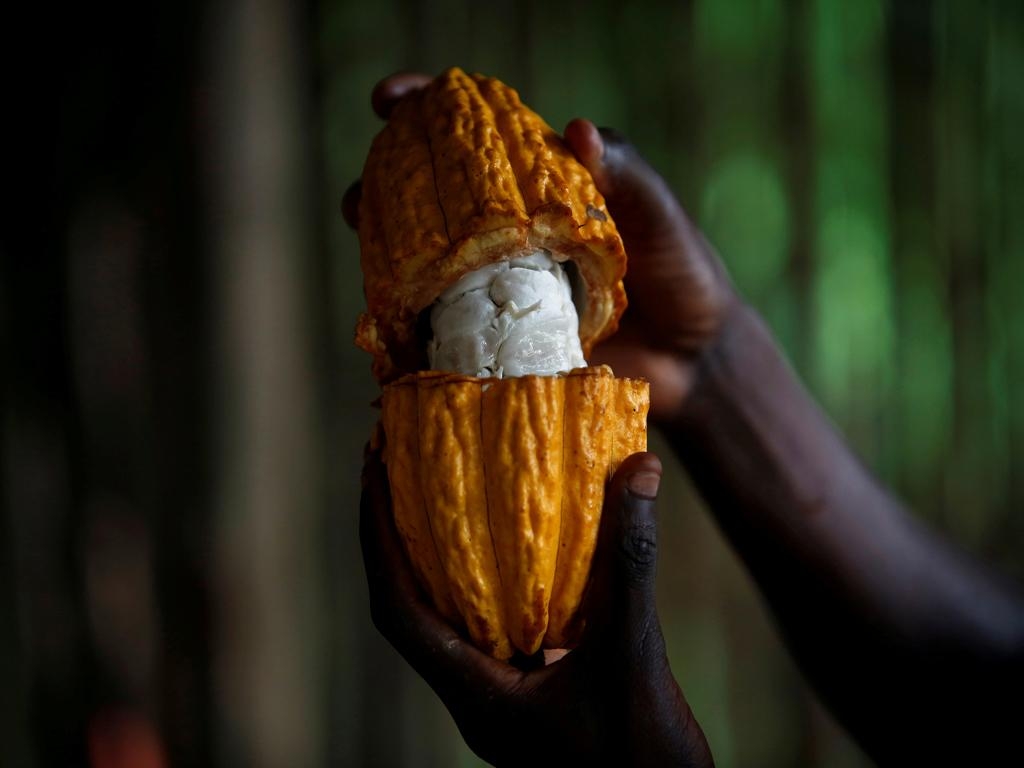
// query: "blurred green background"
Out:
[184,411]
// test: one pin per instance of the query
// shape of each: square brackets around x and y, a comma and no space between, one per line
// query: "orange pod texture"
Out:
[497,487]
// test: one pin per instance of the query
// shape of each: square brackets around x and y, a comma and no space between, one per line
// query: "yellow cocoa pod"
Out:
[464,175]
[498,484]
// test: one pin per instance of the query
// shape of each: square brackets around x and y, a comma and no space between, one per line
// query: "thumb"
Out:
[656,711]
[638,197]
[627,557]
[671,265]
[636,555]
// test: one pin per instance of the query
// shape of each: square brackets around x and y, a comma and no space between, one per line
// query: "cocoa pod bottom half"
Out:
[497,487]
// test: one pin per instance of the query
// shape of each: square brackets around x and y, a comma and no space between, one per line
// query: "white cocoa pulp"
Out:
[513,318]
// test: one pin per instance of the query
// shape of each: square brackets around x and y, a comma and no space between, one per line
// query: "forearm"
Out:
[885,620]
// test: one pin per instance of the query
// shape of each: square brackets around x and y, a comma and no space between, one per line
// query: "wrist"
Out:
[740,355]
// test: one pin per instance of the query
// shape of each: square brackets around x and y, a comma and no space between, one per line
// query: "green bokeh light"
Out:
[745,212]
[852,303]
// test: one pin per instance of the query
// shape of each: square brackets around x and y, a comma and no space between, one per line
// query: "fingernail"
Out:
[644,484]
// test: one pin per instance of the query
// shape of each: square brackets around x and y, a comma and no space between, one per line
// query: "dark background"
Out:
[184,411]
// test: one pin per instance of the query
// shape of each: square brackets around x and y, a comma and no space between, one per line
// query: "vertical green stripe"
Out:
[972,478]
[1004,226]
[853,350]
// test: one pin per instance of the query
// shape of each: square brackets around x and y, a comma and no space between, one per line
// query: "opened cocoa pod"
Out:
[491,267]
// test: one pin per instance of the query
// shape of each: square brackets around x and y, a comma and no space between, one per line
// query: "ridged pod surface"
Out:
[497,487]
[464,175]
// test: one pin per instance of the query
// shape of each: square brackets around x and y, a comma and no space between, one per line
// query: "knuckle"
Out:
[639,550]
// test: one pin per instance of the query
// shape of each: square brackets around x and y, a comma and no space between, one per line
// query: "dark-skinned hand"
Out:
[612,701]
[678,290]
[932,644]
